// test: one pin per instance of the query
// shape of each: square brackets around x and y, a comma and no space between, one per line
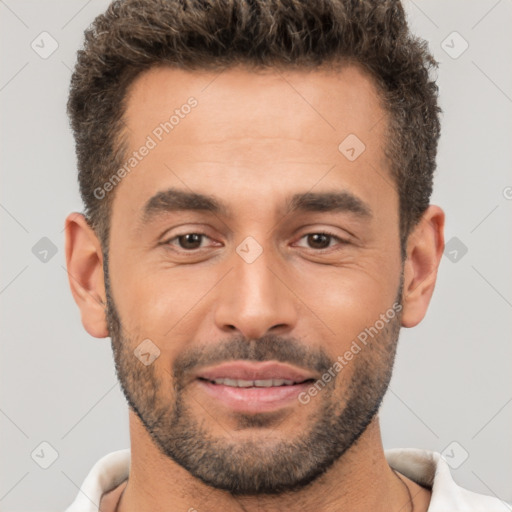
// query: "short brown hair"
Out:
[135,35]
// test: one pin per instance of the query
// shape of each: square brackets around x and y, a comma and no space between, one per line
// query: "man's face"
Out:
[253,292]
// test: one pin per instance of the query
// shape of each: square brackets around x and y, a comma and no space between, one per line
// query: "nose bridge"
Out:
[253,300]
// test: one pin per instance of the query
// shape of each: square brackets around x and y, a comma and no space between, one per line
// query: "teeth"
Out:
[263,383]
[242,383]
[267,383]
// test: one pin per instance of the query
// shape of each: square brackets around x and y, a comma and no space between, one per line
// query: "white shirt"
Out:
[425,467]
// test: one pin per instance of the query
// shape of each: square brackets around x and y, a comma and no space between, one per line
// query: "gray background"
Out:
[452,381]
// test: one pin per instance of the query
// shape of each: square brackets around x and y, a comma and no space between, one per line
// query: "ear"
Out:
[425,247]
[84,260]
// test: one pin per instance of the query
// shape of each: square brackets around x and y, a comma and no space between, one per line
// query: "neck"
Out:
[360,480]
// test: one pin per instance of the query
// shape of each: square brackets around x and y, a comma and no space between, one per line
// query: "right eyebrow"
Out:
[174,199]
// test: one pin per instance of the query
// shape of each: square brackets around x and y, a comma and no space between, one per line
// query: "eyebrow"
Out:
[172,200]
[329,202]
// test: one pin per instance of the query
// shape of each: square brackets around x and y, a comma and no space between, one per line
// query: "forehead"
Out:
[241,102]
[272,133]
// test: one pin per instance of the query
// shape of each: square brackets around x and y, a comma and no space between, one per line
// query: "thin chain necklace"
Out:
[396,473]
[411,501]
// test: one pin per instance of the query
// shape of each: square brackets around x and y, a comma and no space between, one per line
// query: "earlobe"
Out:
[84,261]
[424,251]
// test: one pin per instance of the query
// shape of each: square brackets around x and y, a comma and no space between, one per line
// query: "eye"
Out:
[187,241]
[321,240]
[318,241]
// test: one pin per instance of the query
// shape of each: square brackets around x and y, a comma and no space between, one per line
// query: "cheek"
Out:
[348,300]
[163,303]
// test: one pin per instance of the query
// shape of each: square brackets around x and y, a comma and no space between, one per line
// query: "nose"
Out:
[254,298]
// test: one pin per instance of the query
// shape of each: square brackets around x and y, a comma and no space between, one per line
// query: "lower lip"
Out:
[254,400]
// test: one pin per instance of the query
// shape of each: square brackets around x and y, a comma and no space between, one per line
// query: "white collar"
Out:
[427,468]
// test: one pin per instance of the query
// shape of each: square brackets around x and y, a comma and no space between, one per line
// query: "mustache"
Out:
[266,348]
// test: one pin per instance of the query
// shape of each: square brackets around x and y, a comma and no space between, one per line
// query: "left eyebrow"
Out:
[343,201]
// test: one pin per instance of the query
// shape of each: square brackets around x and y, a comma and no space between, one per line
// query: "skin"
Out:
[243,146]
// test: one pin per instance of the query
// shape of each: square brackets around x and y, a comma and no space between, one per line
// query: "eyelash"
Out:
[341,241]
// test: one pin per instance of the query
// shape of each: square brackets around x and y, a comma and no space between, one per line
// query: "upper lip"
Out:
[245,370]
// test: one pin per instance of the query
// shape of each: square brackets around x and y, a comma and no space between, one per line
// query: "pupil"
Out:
[190,241]
[318,238]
